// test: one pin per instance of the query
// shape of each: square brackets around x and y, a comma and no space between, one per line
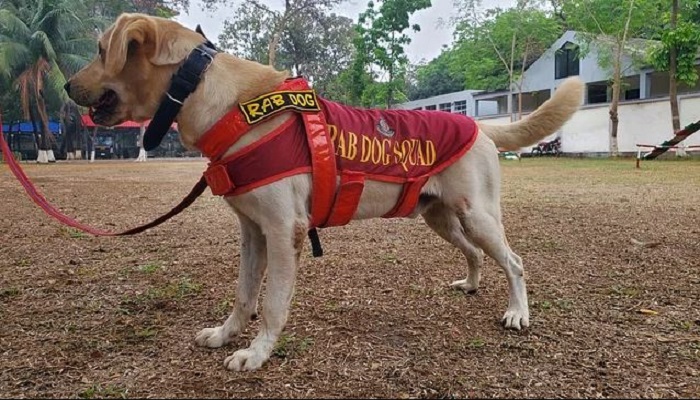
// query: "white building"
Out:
[457,102]
[644,111]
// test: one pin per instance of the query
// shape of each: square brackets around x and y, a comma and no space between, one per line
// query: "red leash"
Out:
[39,199]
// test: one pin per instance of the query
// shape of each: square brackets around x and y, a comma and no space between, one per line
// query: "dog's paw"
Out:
[246,360]
[465,286]
[212,337]
[516,319]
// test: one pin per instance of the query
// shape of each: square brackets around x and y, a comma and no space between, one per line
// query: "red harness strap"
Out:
[221,174]
[408,200]
[322,167]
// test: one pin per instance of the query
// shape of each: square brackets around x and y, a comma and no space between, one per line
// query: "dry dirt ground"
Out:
[82,316]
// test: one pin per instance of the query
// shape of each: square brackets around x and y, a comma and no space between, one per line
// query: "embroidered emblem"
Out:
[384,129]
[272,103]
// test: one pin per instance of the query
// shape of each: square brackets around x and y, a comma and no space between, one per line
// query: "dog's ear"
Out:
[163,42]
[128,31]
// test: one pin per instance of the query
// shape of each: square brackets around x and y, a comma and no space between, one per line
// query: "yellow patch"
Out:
[272,103]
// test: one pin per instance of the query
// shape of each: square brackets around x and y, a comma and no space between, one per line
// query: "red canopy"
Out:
[87,122]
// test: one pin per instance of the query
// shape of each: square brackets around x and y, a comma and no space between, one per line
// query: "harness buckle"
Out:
[218,180]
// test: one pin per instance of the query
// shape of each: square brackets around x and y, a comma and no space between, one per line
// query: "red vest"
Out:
[328,140]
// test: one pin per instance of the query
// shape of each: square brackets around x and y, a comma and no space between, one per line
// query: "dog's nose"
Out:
[67,86]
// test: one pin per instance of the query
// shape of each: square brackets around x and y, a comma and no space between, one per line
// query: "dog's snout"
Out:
[67,87]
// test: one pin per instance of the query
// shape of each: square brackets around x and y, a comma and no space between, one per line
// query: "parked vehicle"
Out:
[551,148]
[105,147]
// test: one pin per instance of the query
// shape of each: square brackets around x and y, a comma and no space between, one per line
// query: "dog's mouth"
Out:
[105,107]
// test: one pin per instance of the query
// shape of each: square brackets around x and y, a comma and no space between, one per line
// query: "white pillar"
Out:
[509,103]
[42,157]
[644,86]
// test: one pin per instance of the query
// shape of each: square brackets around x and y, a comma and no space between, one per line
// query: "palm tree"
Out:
[40,43]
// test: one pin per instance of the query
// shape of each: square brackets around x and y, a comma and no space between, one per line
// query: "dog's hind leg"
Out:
[445,223]
[487,231]
[250,275]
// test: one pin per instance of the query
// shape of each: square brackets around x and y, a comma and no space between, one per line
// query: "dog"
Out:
[137,57]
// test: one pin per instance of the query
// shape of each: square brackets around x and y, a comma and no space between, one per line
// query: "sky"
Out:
[425,45]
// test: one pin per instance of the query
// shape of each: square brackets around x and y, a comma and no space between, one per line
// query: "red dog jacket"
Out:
[328,140]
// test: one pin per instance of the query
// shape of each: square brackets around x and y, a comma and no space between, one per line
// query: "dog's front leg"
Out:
[283,249]
[250,275]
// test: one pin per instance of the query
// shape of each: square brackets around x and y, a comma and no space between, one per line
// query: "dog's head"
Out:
[137,56]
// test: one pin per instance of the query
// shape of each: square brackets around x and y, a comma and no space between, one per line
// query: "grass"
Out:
[175,290]
[11,291]
[149,268]
[97,391]
[290,344]
[596,170]
[561,304]
[159,297]
[624,291]
[146,333]
[684,325]
[72,232]
[224,306]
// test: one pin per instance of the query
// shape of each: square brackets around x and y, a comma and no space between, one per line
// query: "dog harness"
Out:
[333,142]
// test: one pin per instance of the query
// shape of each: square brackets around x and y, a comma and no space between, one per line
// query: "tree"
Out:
[319,48]
[313,43]
[435,78]
[72,123]
[676,54]
[40,43]
[382,33]
[264,26]
[248,33]
[514,38]
[610,26]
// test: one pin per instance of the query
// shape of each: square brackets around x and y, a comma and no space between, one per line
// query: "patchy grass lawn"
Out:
[612,259]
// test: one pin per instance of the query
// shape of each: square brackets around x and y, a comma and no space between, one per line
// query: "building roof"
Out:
[26,127]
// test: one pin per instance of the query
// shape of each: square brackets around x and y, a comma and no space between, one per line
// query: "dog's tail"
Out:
[544,121]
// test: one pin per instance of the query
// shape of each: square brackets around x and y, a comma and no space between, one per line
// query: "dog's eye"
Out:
[101,52]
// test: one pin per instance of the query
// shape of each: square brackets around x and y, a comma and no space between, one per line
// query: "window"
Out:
[430,107]
[566,62]
[460,107]
[632,94]
[597,94]
[446,107]
[418,108]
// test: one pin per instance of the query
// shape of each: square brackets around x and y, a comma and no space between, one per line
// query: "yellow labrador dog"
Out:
[126,81]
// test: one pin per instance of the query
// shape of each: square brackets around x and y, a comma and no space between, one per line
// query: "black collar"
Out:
[183,83]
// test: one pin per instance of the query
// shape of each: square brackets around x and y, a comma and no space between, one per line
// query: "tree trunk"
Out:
[390,90]
[617,76]
[272,49]
[511,72]
[35,130]
[673,85]
[614,120]
[142,152]
[520,82]
[45,150]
